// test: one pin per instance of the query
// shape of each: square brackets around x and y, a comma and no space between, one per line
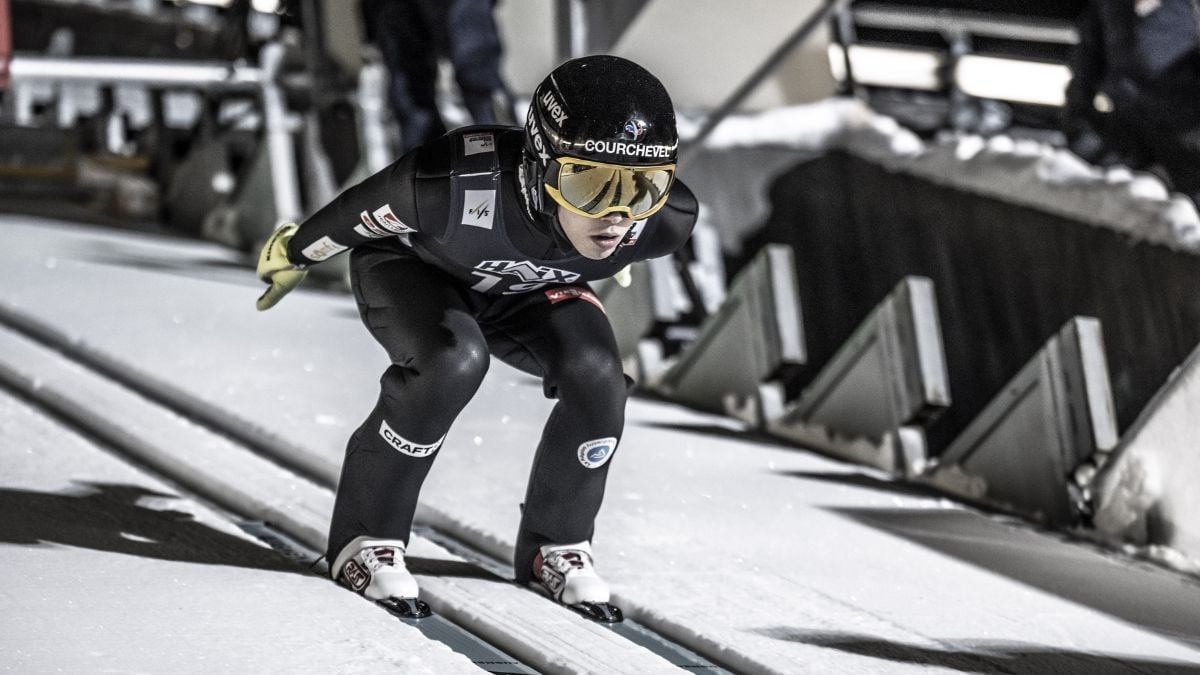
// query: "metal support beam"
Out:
[284,177]
[1014,27]
[151,73]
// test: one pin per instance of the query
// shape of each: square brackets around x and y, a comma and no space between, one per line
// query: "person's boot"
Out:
[567,573]
[375,569]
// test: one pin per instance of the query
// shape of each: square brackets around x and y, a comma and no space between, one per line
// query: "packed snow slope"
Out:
[766,557]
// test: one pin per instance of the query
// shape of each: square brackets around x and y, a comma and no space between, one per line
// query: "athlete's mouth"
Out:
[606,240]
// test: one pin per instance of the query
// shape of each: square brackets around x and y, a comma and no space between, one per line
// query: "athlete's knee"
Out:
[464,362]
[452,373]
[590,375]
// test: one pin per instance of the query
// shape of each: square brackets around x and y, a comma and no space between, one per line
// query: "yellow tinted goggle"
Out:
[595,189]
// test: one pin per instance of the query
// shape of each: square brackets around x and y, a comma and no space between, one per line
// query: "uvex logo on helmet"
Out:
[535,136]
[554,108]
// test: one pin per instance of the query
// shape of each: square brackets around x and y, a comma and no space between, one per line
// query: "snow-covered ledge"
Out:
[1022,171]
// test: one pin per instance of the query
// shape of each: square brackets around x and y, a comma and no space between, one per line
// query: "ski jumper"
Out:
[448,266]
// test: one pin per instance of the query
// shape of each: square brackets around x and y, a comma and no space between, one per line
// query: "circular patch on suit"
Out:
[593,454]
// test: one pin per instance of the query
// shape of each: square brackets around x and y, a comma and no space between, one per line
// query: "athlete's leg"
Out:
[439,358]
[571,345]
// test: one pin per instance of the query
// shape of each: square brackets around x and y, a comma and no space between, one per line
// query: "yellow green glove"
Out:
[624,277]
[275,268]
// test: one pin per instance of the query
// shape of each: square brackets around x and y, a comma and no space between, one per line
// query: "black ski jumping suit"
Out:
[448,266]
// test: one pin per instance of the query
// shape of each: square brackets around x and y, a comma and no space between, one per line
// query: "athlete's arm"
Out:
[383,205]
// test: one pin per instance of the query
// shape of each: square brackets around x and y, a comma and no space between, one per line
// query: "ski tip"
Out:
[600,611]
[405,608]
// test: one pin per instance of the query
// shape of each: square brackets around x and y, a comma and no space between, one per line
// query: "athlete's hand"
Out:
[275,269]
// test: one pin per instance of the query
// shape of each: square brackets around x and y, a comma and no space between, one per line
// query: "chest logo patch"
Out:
[527,271]
[479,208]
[557,295]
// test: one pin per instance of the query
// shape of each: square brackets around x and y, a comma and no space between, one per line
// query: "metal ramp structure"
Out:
[869,402]
[1022,451]
[757,331]
[1147,487]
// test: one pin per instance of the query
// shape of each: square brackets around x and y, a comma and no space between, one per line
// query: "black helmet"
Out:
[607,112]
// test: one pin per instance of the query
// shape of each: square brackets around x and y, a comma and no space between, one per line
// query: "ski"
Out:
[405,608]
[600,612]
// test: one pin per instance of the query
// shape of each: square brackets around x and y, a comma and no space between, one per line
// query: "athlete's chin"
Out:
[596,252]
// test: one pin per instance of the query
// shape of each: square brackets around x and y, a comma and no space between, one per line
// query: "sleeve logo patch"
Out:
[478,208]
[387,220]
[473,144]
[405,446]
[595,454]
[323,249]
[368,227]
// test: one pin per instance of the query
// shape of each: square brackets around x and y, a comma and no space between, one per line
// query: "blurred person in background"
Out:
[484,240]
[413,36]
[1134,97]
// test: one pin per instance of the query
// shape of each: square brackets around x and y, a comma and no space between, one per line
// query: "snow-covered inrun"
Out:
[764,556]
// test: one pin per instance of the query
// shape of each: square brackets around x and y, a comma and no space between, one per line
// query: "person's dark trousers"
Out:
[475,52]
[1144,145]
[410,34]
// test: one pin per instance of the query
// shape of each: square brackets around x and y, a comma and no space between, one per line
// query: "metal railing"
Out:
[28,71]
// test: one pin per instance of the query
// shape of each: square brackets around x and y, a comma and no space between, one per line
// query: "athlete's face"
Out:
[595,238]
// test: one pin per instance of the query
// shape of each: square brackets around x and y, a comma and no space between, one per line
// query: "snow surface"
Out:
[767,557]
[107,569]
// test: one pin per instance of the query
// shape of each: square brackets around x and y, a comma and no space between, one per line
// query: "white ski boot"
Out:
[567,573]
[375,569]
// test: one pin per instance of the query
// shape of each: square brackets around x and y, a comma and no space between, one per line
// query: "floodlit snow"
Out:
[768,557]
[106,569]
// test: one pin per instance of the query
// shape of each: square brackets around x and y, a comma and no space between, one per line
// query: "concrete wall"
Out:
[527,33]
[701,49]
[704,49]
